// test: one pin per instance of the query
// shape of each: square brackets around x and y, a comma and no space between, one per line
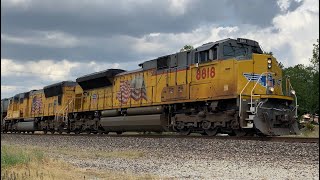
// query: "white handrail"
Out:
[241,96]
[55,118]
[296,99]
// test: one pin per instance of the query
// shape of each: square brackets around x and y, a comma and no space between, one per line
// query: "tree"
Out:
[305,81]
[301,79]
[186,48]
[315,56]
[315,77]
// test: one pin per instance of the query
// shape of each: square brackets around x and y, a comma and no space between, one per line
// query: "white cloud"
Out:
[37,74]
[43,69]
[290,38]
[53,39]
[178,7]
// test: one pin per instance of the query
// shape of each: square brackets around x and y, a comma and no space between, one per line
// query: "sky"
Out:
[44,42]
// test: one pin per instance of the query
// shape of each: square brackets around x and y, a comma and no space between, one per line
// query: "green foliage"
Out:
[305,81]
[11,156]
[186,48]
[315,57]
[310,126]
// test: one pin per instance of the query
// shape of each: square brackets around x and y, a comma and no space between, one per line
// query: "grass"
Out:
[87,154]
[28,162]
[310,131]
[11,155]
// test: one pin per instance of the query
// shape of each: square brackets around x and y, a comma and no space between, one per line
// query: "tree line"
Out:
[305,81]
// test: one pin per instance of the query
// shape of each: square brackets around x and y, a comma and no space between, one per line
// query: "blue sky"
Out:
[44,42]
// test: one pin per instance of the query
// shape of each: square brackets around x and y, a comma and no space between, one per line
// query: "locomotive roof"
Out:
[63,84]
[21,95]
[129,72]
[150,64]
[98,79]
[33,92]
[56,89]
[210,45]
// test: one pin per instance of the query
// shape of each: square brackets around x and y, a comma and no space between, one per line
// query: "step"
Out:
[250,118]
[249,125]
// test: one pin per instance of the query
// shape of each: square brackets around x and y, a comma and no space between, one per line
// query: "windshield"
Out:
[239,51]
[234,51]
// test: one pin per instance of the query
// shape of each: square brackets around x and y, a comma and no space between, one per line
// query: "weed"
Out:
[310,126]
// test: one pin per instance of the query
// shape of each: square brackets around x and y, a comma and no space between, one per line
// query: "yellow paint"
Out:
[212,80]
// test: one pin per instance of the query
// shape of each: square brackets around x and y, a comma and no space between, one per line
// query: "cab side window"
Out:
[204,56]
[213,53]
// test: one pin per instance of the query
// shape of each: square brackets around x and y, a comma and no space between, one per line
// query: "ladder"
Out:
[64,113]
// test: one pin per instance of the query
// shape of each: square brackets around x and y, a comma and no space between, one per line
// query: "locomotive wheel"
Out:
[45,131]
[119,132]
[206,125]
[60,130]
[211,132]
[52,131]
[185,131]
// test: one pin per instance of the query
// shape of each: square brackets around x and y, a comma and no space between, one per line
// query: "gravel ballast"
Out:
[186,158]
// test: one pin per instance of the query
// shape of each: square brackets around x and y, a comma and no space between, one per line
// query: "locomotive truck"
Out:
[228,86]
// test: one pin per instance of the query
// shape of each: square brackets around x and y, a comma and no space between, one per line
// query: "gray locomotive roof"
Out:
[106,73]
[211,44]
[98,79]
[21,95]
[63,84]
[33,92]
[56,89]
[129,72]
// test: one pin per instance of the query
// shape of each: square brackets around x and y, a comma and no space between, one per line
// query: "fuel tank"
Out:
[145,110]
[25,126]
[151,122]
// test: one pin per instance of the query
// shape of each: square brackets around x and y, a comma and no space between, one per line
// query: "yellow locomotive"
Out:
[228,86]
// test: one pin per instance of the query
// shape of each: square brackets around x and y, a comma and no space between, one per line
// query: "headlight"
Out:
[293,92]
[269,63]
[271,89]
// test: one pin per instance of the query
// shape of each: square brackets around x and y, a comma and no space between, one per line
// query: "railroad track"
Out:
[226,137]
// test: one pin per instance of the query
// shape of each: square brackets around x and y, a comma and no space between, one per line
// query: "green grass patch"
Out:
[14,155]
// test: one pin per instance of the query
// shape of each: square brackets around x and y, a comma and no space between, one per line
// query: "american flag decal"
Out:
[36,104]
[134,89]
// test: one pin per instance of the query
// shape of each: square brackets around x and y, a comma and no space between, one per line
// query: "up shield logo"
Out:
[265,80]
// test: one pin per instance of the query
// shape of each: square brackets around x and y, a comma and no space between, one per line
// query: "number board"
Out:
[205,73]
